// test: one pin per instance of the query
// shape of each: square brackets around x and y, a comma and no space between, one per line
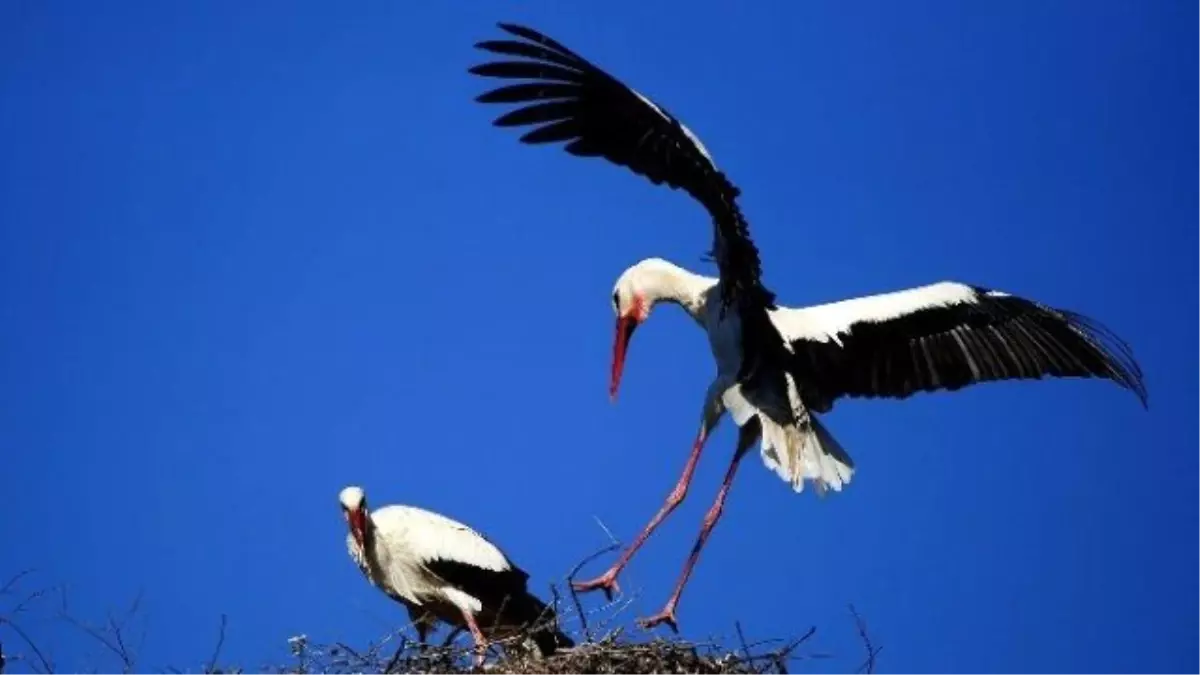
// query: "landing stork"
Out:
[440,569]
[777,367]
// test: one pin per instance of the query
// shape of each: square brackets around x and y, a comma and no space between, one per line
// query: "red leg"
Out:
[667,615]
[608,580]
[481,644]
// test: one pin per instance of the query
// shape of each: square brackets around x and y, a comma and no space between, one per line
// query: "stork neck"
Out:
[372,552]
[679,286]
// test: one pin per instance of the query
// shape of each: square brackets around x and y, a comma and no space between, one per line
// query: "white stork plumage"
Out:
[440,569]
[777,367]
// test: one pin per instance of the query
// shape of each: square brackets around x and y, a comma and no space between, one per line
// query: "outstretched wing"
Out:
[568,99]
[944,336]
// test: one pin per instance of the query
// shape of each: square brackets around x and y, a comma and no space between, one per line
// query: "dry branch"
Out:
[868,666]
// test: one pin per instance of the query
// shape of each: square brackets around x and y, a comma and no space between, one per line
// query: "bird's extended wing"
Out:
[944,336]
[569,99]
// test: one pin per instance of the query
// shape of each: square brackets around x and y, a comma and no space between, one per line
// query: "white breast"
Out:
[398,576]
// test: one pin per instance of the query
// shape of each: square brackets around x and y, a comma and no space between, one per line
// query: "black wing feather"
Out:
[599,116]
[996,337]
[516,93]
[540,112]
[533,51]
[561,130]
[526,70]
[491,587]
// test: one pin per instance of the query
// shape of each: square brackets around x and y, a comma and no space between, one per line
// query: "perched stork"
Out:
[441,569]
[777,367]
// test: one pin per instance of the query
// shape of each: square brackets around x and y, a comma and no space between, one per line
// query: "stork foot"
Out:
[666,616]
[606,581]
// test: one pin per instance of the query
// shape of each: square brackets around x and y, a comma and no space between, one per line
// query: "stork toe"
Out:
[606,581]
[666,616]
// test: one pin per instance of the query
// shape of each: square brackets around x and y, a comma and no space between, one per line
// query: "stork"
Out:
[440,569]
[777,367]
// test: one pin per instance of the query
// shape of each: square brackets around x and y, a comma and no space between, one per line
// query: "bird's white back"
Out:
[421,535]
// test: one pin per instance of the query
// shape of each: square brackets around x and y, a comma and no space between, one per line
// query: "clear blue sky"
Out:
[251,252]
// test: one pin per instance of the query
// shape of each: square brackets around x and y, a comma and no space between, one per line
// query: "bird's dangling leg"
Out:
[711,413]
[746,438]
[608,580]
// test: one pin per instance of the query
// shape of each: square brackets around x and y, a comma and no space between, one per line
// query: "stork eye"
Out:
[616,299]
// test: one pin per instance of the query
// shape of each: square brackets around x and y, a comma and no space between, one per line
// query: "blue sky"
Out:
[251,252]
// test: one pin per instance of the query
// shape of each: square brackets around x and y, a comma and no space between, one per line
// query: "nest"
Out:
[611,654]
[602,646]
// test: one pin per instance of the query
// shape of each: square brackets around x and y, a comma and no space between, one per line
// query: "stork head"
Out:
[354,509]
[636,292]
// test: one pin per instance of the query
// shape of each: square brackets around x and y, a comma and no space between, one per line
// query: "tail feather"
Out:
[798,449]
[805,451]
[531,611]
[549,641]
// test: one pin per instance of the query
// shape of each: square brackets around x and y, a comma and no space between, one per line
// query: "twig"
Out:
[613,634]
[372,656]
[611,538]
[212,661]
[117,643]
[99,637]
[13,581]
[780,656]
[450,638]
[34,595]
[346,648]
[587,633]
[133,608]
[745,647]
[120,640]
[868,665]
[47,666]
[625,604]
[557,607]
[496,620]
[396,657]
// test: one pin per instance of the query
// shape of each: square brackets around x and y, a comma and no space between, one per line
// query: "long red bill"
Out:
[625,327]
[358,525]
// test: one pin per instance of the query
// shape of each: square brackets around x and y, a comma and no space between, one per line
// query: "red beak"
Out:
[625,327]
[358,525]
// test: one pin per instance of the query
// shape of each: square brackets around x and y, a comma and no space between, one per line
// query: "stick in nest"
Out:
[587,634]
[868,665]
[216,653]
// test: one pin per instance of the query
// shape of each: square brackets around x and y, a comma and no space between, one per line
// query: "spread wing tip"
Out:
[1118,355]
[567,98]
[516,29]
[535,39]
